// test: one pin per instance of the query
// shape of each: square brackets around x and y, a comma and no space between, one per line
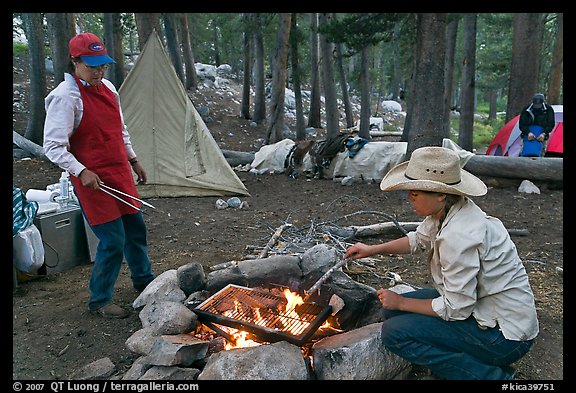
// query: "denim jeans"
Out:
[450,349]
[122,238]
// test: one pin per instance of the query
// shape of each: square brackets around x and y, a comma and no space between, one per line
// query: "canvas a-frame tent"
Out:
[172,142]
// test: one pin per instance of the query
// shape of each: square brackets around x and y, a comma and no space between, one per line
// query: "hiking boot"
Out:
[141,287]
[112,311]
[511,372]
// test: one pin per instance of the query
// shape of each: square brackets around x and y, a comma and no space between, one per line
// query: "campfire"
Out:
[241,314]
[261,306]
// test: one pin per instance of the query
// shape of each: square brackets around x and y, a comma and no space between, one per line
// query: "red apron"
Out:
[98,144]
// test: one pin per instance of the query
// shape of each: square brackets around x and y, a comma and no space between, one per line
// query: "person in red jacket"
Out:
[85,134]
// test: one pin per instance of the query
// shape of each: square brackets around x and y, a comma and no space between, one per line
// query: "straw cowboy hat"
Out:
[434,169]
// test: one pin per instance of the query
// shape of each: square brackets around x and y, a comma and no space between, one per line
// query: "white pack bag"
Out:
[28,250]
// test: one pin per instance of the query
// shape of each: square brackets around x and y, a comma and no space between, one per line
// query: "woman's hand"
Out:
[140,172]
[89,179]
[358,250]
[390,300]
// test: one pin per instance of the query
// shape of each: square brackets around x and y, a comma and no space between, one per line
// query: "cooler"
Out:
[65,239]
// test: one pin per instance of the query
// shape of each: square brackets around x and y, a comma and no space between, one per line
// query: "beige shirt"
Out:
[63,115]
[477,271]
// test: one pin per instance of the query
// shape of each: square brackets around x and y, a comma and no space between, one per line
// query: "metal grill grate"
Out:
[262,314]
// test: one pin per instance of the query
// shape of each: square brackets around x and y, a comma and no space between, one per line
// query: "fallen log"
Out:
[518,232]
[549,169]
[235,158]
[389,228]
[383,228]
[529,168]
[28,145]
[376,133]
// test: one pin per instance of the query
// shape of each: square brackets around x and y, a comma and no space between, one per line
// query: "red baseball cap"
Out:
[90,49]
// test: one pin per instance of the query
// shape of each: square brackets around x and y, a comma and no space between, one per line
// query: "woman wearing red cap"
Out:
[85,134]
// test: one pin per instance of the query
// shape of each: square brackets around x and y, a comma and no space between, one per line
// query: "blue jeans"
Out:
[450,349]
[123,237]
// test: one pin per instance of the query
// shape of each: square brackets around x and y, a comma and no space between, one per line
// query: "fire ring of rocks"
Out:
[247,320]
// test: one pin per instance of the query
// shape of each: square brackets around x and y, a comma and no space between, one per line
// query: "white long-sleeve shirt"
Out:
[477,271]
[63,115]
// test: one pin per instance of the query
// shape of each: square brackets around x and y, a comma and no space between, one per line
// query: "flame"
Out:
[293,299]
[326,326]
[286,319]
[241,341]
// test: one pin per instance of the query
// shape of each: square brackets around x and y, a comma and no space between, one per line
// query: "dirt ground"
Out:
[54,335]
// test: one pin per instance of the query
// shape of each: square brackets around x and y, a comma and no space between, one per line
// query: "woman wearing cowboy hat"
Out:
[480,317]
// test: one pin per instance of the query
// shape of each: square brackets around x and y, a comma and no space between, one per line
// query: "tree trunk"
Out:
[493,101]
[411,90]
[191,79]
[451,35]
[365,104]
[247,37]
[216,43]
[344,85]
[396,69]
[173,45]
[344,88]
[117,43]
[314,117]
[259,77]
[300,124]
[60,31]
[275,123]
[145,24]
[556,68]
[35,36]
[524,70]
[332,115]
[466,126]
[113,42]
[427,125]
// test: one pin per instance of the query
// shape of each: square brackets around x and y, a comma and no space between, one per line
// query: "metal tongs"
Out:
[105,188]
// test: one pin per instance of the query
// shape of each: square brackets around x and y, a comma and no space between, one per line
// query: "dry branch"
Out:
[298,239]
[273,240]
[324,278]
[368,212]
